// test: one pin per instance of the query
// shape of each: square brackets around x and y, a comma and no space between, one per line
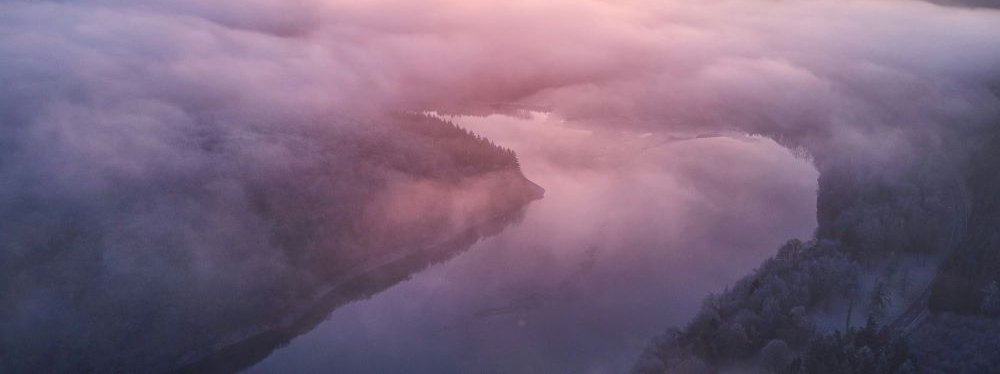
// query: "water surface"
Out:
[635,229]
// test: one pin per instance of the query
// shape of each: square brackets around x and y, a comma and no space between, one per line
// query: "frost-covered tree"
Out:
[868,349]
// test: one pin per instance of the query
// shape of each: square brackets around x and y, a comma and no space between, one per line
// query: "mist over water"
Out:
[196,171]
[633,232]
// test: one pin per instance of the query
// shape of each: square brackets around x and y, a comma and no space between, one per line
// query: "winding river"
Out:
[635,229]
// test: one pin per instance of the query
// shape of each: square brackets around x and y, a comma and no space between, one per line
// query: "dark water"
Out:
[634,231]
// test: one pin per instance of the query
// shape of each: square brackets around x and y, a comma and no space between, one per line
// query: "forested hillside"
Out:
[854,299]
[128,269]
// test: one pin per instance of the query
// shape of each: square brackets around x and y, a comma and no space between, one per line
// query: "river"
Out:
[634,231]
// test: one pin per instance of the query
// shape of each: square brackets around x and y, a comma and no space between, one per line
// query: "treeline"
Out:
[764,322]
[860,350]
[470,152]
[771,304]
[875,210]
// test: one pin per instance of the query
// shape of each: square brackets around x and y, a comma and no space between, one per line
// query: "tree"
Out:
[868,349]
[732,342]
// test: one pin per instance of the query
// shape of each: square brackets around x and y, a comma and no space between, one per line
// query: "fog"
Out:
[633,232]
[118,86]
[151,148]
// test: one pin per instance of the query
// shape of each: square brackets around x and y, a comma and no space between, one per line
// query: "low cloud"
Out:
[157,123]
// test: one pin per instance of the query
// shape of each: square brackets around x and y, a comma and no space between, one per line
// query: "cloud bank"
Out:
[157,123]
[828,69]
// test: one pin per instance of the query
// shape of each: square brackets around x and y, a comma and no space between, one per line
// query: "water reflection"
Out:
[249,351]
[634,231]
